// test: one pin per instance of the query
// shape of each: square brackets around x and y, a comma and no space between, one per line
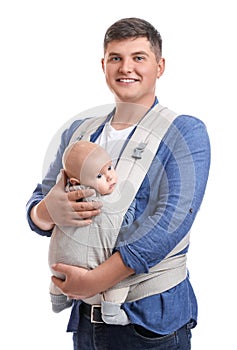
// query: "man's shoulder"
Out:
[186,122]
[186,127]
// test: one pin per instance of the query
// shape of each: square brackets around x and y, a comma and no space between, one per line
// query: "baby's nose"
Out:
[109,177]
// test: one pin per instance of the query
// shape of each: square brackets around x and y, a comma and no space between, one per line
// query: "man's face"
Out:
[131,70]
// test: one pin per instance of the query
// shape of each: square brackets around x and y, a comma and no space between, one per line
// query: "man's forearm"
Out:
[109,273]
[40,216]
[80,283]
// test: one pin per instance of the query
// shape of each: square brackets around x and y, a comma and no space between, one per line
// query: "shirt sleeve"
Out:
[50,178]
[130,214]
[169,197]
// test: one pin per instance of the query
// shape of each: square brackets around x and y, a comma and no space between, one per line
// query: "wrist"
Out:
[40,216]
[91,283]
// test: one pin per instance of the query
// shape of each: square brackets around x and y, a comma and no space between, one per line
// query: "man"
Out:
[166,205]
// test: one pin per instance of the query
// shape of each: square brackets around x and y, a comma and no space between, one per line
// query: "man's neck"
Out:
[127,114]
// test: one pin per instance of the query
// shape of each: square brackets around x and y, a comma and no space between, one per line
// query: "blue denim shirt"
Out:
[177,177]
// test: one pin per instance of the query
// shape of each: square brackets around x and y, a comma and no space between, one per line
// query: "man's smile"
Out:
[126,80]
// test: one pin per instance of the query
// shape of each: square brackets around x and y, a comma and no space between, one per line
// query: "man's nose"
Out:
[126,66]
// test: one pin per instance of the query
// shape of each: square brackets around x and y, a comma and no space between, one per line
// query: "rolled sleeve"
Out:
[36,197]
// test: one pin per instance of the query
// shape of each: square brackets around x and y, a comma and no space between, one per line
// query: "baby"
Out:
[87,164]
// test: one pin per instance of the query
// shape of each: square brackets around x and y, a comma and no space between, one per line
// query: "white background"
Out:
[50,71]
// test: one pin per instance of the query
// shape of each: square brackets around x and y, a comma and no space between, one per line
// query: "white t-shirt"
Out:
[113,140]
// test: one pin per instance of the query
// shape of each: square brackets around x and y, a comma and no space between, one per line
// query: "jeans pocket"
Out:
[149,337]
[146,333]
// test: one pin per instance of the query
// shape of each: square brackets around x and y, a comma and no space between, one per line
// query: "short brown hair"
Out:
[133,28]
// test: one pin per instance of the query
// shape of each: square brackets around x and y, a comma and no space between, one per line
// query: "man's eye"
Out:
[139,58]
[116,59]
[110,167]
[99,176]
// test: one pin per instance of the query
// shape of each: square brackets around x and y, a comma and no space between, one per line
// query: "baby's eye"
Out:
[110,167]
[99,176]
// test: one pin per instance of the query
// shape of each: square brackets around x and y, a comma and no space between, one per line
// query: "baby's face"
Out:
[106,180]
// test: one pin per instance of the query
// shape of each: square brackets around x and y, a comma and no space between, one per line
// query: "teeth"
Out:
[127,80]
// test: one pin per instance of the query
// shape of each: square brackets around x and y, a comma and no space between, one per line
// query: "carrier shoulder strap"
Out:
[137,155]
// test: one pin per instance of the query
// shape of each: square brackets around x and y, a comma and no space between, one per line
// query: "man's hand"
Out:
[76,283]
[62,209]
[80,283]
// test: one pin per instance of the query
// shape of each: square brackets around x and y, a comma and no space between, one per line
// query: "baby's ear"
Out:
[74,181]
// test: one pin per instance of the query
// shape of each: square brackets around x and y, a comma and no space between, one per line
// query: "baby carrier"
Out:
[96,242]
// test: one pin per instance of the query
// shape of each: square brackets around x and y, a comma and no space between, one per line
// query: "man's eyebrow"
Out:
[114,54]
[132,54]
[140,53]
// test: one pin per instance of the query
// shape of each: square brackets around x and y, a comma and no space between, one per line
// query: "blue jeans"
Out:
[97,336]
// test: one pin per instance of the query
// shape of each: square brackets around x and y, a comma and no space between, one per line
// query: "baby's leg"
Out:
[59,300]
[111,310]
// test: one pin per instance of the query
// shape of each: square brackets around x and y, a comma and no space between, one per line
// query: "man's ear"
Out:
[161,67]
[74,181]
[103,64]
